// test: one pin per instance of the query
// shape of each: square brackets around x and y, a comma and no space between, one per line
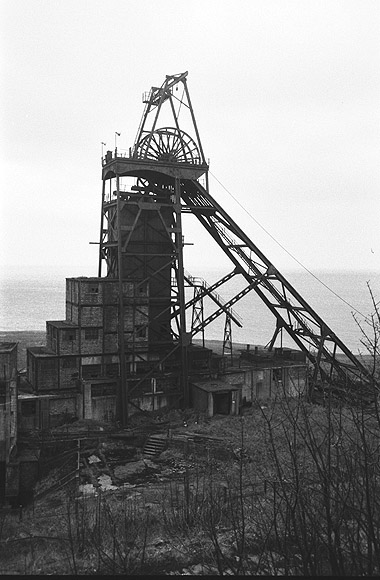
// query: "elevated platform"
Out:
[115,163]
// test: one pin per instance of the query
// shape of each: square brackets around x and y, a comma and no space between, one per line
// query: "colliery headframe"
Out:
[125,337]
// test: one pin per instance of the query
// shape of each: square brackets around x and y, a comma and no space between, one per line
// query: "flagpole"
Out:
[118,134]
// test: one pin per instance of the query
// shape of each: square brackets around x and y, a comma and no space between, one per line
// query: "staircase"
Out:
[154,445]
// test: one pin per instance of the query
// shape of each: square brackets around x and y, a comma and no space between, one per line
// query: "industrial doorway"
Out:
[222,403]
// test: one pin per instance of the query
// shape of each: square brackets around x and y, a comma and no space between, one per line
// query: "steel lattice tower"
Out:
[141,245]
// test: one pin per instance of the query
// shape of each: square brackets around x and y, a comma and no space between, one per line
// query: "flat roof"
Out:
[89,278]
[102,279]
[266,364]
[41,351]
[62,324]
[215,386]
[7,346]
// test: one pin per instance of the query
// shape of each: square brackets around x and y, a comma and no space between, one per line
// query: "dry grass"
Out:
[291,500]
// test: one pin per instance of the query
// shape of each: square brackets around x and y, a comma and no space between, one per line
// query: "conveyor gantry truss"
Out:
[168,164]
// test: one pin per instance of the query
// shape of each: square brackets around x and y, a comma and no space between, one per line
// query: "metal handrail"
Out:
[198,281]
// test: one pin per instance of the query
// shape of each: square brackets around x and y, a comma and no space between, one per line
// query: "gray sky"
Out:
[287,99]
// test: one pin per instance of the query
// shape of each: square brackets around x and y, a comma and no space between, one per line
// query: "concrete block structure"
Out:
[78,369]
[8,419]
[77,373]
[126,343]
[86,344]
[216,397]
[8,360]
[262,375]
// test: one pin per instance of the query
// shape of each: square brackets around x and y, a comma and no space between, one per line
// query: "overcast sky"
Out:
[287,99]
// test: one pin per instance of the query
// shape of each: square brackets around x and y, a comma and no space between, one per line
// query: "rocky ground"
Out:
[113,471]
[194,510]
[178,513]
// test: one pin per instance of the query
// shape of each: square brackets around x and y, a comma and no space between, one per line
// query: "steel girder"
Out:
[227,340]
[170,144]
[292,312]
[204,289]
[197,317]
[141,243]
[172,156]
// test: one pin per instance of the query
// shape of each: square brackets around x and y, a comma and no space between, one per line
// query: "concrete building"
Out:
[8,420]
[76,375]
[125,343]
[261,375]
[216,397]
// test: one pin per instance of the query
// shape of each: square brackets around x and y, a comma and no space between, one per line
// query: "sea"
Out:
[28,300]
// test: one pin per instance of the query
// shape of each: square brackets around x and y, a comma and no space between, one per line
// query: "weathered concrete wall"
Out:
[51,337]
[30,369]
[86,403]
[151,402]
[28,415]
[154,402]
[91,291]
[72,290]
[297,381]
[111,343]
[243,378]
[3,431]
[111,318]
[8,416]
[8,362]
[111,293]
[46,412]
[62,410]
[74,317]
[104,409]
[69,372]
[265,383]
[261,387]
[92,303]
[91,316]
[235,402]
[46,375]
[68,341]
[199,399]
[91,345]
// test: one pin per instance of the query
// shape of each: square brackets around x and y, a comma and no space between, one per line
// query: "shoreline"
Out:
[28,338]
